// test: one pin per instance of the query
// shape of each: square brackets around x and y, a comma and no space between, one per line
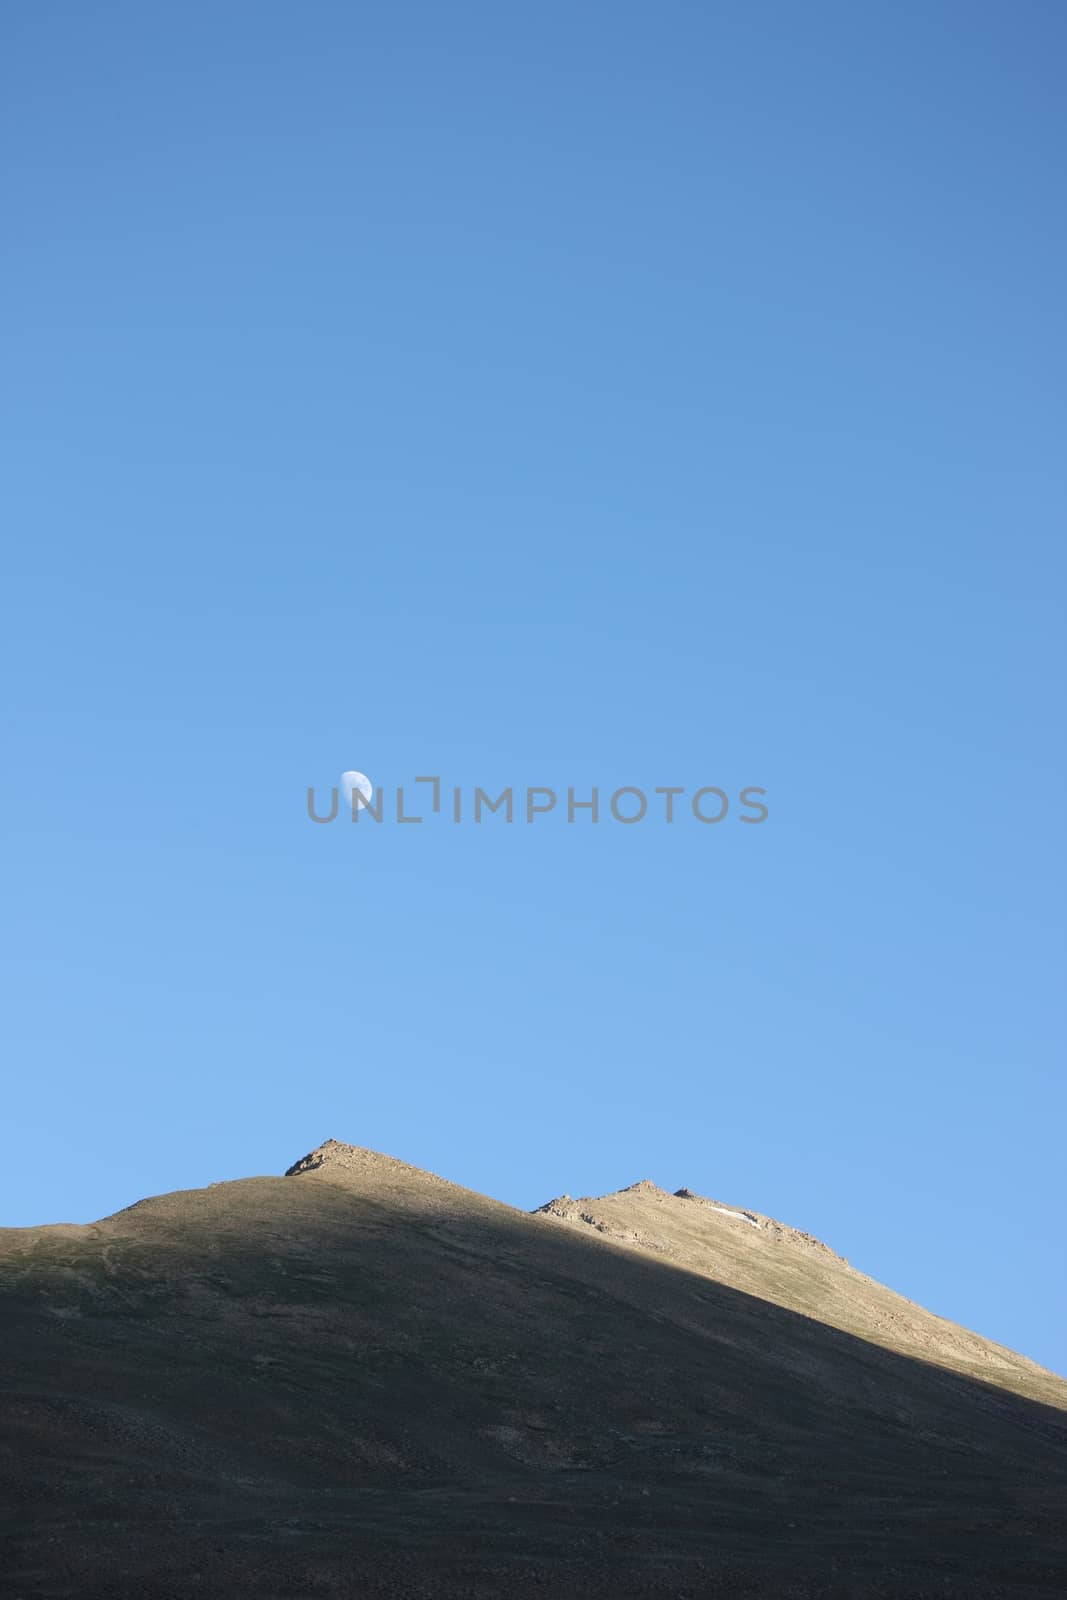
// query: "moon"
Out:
[355,784]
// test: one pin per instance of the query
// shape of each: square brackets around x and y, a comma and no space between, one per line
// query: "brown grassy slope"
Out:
[767,1258]
[363,1380]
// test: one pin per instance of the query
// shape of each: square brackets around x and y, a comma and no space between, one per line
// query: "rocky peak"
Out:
[330,1151]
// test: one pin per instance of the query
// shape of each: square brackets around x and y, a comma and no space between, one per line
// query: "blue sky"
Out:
[549,395]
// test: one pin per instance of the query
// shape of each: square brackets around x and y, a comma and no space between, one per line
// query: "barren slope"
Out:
[767,1258]
[363,1380]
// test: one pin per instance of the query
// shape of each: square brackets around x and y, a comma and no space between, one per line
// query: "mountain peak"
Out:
[330,1150]
[335,1156]
[356,1167]
[647,1187]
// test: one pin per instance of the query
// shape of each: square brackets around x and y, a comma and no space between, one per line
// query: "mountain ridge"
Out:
[335,1157]
[362,1379]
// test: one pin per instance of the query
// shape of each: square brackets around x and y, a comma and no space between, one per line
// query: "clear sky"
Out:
[557,395]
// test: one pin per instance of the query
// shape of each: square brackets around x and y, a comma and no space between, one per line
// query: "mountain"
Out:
[362,1380]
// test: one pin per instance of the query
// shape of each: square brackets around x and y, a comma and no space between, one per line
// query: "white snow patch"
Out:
[742,1215]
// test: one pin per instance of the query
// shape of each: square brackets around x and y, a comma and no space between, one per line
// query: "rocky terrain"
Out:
[363,1380]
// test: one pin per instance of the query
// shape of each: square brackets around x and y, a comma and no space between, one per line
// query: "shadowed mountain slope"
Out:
[362,1380]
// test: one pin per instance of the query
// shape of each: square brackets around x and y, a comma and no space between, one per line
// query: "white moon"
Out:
[353,784]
